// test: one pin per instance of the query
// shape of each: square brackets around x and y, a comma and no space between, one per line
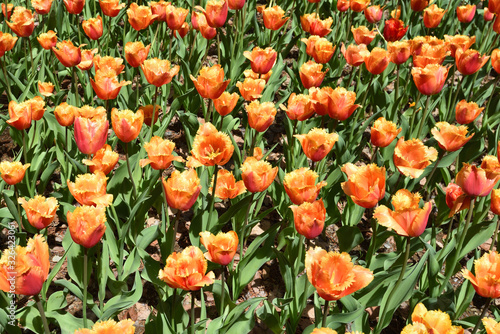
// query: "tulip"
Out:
[90,189]
[312,24]
[45,88]
[7,42]
[148,113]
[494,6]
[211,147]
[430,79]
[470,61]
[341,104]
[20,115]
[159,72]
[175,17]
[495,60]
[87,60]
[210,83]
[68,54]
[488,15]
[399,51]
[299,107]
[373,14]
[140,17]
[325,330]
[110,326]
[93,27]
[319,48]
[394,30]
[359,5]
[90,135]
[12,172]
[216,13]
[199,22]
[182,189]
[419,5]
[300,185]
[274,17]
[354,54]
[432,16]
[236,4]
[466,13]
[74,6]
[159,153]
[109,63]
[65,114]
[30,270]
[160,9]
[383,132]
[491,326]
[127,124]
[317,143]
[87,225]
[430,54]
[496,24]
[456,199]
[311,75]
[183,31]
[252,75]
[40,211]
[347,278]
[486,282]
[411,157]
[22,22]
[7,11]
[98,113]
[343,5]
[459,42]
[37,108]
[106,85]
[221,248]
[261,60]
[476,181]
[436,322]
[104,160]
[251,89]
[186,270]
[257,174]
[365,184]
[227,187]
[309,218]
[450,137]
[111,8]
[362,35]
[320,99]
[42,7]
[495,201]
[418,42]
[491,165]
[377,60]
[225,104]
[260,115]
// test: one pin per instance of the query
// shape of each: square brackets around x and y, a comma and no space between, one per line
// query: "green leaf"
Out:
[123,301]
[349,237]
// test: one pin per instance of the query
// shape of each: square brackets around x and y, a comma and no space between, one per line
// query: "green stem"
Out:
[192,313]
[20,224]
[483,313]
[415,109]
[212,200]
[374,154]
[362,110]
[371,248]
[42,314]
[495,235]
[448,234]
[396,103]
[223,292]
[154,112]
[134,189]
[25,148]
[326,310]
[84,306]
[9,93]
[252,144]
[449,105]
[353,69]
[454,101]
[426,187]
[424,116]
[31,56]
[209,110]
[174,227]
[218,48]
[485,117]
[243,228]
[75,85]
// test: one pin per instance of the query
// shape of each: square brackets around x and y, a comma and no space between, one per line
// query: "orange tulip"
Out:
[225,103]
[418,42]
[466,13]
[411,157]
[199,22]
[37,108]
[300,185]
[22,22]
[311,75]
[476,181]
[104,160]
[430,79]
[227,187]
[362,35]
[159,72]
[182,189]
[429,54]
[373,14]
[376,62]
[348,278]
[365,184]
[419,5]
[12,172]
[383,132]
[470,61]
[211,147]
[320,99]
[325,330]
[486,282]
[40,211]
[98,113]
[111,8]
[93,27]
[210,83]
[186,270]
[29,270]
[20,115]
[319,48]
[221,248]
[309,218]
[450,137]
[495,59]
[343,5]
[110,326]
[90,189]
[140,17]
[68,54]
[127,124]
[354,54]
[87,60]
[106,85]
[7,42]
[299,107]
[435,322]
[312,24]
[183,31]
[495,201]
[260,115]
[7,11]
[494,6]
[491,326]
[456,199]
[108,63]
[159,153]
[45,88]
[399,51]
[273,17]
[432,16]
[317,143]
[407,219]
[251,89]
[87,225]
[42,7]
[257,174]
[74,6]
[359,5]
[160,9]
[394,30]
[216,13]
[175,16]
[236,4]
[459,42]
[148,113]
[341,104]
[65,114]
[90,134]
[261,60]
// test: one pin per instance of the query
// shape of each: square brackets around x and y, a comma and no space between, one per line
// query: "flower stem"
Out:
[243,228]
[84,306]
[223,291]
[153,117]
[396,96]
[415,109]
[485,308]
[326,310]
[426,187]
[42,314]
[212,200]
[495,235]
[134,189]
[424,116]
[20,224]
[175,226]
[209,110]
[485,117]
[75,85]
[9,93]
[374,154]
[192,313]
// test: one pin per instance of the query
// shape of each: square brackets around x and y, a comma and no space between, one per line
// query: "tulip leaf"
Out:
[349,237]
[124,300]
